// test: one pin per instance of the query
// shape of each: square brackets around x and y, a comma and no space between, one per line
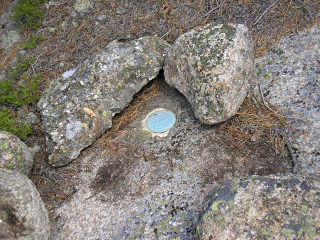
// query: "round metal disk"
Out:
[160,121]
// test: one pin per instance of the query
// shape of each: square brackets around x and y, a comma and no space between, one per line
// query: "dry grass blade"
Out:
[211,11]
[268,8]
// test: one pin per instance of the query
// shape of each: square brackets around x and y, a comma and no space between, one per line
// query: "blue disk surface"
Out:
[161,121]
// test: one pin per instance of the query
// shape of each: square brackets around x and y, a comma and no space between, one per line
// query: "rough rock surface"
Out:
[289,76]
[273,207]
[78,109]
[22,213]
[211,66]
[142,187]
[14,154]
[24,115]
[9,34]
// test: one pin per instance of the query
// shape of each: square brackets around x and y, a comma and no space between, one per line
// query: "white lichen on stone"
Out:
[72,129]
[82,6]
[69,73]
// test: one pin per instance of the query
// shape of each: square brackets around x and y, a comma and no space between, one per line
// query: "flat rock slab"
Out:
[79,108]
[15,155]
[272,207]
[289,77]
[211,66]
[23,215]
[141,187]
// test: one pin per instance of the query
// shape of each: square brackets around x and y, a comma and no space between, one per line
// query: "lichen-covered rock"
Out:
[211,66]
[289,76]
[22,213]
[82,6]
[78,109]
[273,207]
[140,186]
[14,154]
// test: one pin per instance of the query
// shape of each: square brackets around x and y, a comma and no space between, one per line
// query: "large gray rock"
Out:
[14,154]
[141,187]
[22,213]
[273,207]
[289,76]
[78,109]
[211,66]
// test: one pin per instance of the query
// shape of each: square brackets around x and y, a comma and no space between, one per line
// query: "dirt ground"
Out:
[70,38]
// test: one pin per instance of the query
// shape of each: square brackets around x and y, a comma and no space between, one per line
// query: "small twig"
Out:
[210,11]
[165,34]
[35,62]
[268,8]
[267,106]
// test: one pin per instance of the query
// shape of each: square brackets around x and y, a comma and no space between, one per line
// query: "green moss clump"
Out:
[18,88]
[9,124]
[22,65]
[32,42]
[27,13]
[24,93]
